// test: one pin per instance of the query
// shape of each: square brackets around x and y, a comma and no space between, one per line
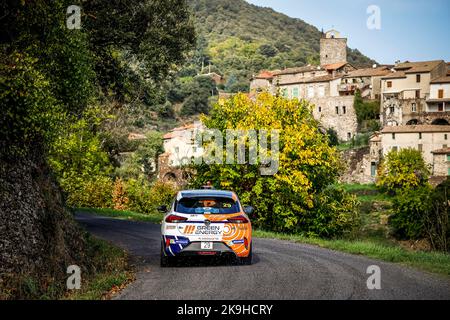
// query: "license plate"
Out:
[206,245]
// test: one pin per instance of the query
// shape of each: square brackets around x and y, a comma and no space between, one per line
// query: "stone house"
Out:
[180,148]
[438,102]
[404,93]
[441,162]
[429,139]
[366,80]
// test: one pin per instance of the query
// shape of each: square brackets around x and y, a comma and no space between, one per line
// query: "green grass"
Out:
[428,261]
[124,215]
[111,272]
[366,192]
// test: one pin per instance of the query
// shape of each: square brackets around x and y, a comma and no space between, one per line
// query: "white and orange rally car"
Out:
[206,223]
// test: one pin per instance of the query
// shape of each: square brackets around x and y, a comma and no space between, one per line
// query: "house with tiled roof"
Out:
[406,92]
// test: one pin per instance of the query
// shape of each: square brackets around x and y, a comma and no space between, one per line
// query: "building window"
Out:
[295,92]
[413,107]
[337,110]
[417,94]
[389,84]
[441,94]
[285,93]
[445,136]
[373,169]
[393,136]
[417,78]
[310,92]
[441,107]
[349,135]
[444,146]
[320,109]
[395,149]
[420,147]
[420,135]
[391,110]
[321,91]
[344,109]
[448,157]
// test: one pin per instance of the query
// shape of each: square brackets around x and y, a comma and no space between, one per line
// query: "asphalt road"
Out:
[281,270]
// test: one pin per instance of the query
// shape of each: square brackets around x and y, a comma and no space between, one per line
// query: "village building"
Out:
[441,162]
[431,140]
[366,80]
[181,149]
[406,92]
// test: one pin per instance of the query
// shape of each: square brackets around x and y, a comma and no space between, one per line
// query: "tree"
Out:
[404,169]
[298,194]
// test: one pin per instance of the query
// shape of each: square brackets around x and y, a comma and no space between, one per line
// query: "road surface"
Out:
[281,270]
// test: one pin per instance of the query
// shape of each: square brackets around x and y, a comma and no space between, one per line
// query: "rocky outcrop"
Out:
[38,236]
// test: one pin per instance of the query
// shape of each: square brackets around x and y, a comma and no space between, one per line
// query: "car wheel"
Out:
[164,260]
[247,260]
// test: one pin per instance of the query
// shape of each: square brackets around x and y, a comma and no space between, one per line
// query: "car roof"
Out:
[206,193]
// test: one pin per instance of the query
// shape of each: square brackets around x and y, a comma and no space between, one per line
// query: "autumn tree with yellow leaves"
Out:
[301,196]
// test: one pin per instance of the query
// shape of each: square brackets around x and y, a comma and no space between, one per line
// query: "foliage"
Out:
[402,169]
[241,39]
[365,110]
[143,161]
[333,138]
[292,199]
[119,198]
[437,219]
[78,159]
[145,198]
[410,207]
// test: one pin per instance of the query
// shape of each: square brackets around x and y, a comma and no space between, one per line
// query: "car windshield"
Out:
[209,205]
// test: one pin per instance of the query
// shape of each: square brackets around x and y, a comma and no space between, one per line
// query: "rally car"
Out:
[206,223]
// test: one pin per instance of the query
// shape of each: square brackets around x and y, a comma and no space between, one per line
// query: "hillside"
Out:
[240,39]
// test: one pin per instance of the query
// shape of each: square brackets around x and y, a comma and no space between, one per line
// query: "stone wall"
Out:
[357,163]
[440,165]
[38,236]
[344,123]
[333,50]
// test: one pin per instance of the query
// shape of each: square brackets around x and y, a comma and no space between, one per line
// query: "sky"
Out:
[413,30]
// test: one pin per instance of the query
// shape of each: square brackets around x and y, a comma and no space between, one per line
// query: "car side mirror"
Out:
[249,210]
[162,209]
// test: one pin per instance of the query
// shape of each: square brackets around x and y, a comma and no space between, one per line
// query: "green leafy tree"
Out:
[297,197]
[404,169]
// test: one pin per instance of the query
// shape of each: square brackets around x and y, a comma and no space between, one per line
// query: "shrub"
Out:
[145,198]
[95,192]
[403,169]
[119,198]
[437,219]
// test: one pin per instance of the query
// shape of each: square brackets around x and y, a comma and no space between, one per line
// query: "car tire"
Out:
[247,261]
[164,260]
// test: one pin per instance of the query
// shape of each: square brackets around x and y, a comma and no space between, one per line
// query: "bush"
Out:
[437,220]
[401,170]
[410,208]
[145,198]
[95,193]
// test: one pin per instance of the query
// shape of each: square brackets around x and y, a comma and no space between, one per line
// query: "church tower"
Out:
[333,48]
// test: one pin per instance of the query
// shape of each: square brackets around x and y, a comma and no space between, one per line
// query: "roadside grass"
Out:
[105,271]
[124,215]
[109,272]
[374,245]
[428,261]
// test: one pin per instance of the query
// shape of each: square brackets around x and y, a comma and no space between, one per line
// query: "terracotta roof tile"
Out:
[420,66]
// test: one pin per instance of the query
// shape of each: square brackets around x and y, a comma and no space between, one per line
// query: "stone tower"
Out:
[333,48]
